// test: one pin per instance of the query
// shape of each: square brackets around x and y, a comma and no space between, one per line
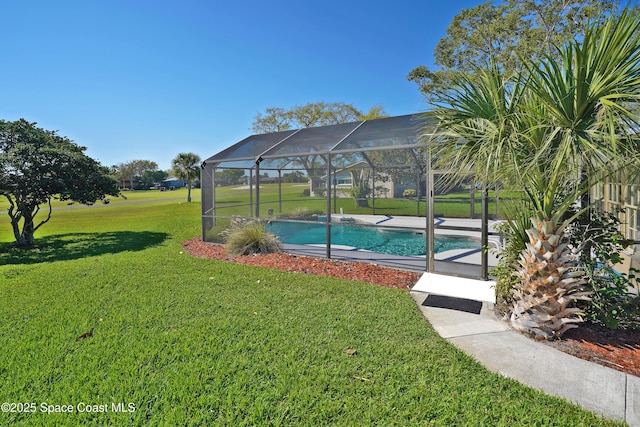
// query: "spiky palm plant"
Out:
[585,103]
[186,166]
[549,280]
[546,131]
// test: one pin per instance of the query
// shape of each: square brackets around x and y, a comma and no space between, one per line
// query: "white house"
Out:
[347,177]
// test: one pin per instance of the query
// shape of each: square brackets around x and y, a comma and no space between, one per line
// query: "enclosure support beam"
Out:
[250,192]
[418,195]
[279,191]
[472,200]
[258,188]
[373,190]
[430,217]
[418,177]
[213,201]
[335,194]
[484,263]
[328,239]
[208,211]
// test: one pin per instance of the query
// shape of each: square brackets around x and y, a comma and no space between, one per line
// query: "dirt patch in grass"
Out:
[614,349]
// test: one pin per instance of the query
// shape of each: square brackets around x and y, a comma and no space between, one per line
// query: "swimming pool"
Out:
[382,240]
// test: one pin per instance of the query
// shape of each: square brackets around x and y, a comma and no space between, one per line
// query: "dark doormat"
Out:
[451,303]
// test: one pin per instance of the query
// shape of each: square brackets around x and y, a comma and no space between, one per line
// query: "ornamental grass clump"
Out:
[252,238]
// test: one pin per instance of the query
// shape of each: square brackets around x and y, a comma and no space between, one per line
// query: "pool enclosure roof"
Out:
[344,143]
[394,148]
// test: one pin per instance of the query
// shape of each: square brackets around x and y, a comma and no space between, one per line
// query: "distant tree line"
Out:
[144,172]
[226,177]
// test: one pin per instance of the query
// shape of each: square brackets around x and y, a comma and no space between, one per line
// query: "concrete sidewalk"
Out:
[477,331]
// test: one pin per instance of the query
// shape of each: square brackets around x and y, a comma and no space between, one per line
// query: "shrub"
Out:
[360,194]
[613,304]
[303,213]
[513,231]
[306,192]
[361,191]
[381,191]
[409,192]
[252,238]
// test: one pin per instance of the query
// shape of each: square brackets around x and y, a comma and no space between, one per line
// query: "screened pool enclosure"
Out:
[317,188]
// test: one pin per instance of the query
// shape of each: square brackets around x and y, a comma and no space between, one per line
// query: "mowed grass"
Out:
[191,341]
[235,200]
[125,196]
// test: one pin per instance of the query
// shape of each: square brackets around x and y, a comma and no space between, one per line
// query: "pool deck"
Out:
[464,262]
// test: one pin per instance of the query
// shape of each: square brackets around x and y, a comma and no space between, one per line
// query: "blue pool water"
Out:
[381,240]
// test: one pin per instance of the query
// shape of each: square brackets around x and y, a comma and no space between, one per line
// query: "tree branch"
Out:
[45,220]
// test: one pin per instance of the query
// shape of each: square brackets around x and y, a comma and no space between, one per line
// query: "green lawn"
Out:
[126,196]
[192,341]
[234,200]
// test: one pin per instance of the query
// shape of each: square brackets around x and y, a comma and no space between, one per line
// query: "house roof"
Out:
[345,143]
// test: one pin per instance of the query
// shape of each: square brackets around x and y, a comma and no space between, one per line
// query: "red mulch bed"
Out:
[615,349]
[376,274]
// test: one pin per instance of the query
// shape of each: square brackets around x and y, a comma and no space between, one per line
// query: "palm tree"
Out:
[590,98]
[547,130]
[587,98]
[186,166]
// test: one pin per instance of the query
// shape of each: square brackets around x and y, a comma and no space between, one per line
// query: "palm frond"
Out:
[592,91]
[474,133]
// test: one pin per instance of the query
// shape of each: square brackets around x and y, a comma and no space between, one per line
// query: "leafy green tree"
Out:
[276,119]
[230,176]
[127,172]
[375,112]
[295,176]
[37,166]
[136,169]
[506,33]
[554,130]
[151,177]
[314,114]
[186,166]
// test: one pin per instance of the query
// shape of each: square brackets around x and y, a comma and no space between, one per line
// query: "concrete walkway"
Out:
[473,327]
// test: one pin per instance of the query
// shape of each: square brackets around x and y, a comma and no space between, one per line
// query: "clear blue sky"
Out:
[140,79]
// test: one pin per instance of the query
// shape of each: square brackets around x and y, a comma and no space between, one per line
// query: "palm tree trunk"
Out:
[549,284]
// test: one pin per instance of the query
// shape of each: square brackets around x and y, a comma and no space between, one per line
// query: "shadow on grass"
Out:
[62,247]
